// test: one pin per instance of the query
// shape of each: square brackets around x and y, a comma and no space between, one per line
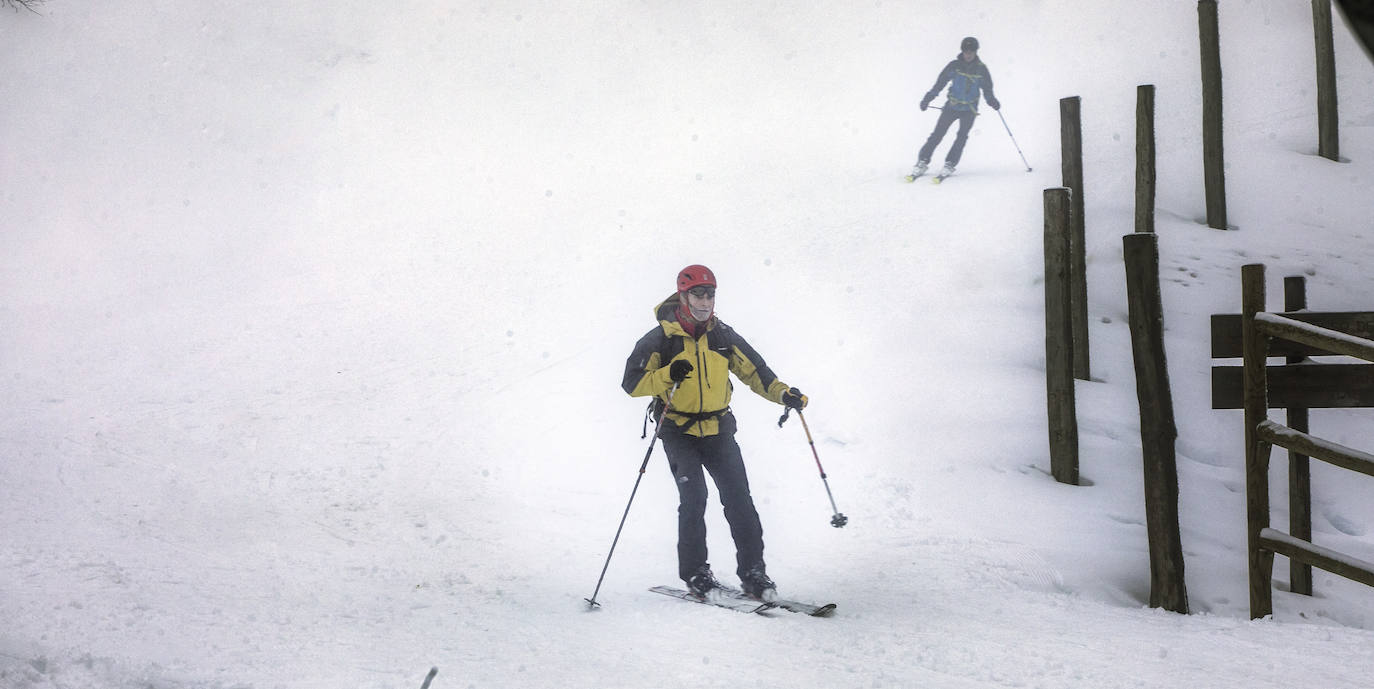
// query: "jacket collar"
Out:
[667,314]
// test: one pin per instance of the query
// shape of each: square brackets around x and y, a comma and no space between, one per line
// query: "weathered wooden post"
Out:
[1059,343]
[1071,160]
[1255,348]
[1328,131]
[1299,471]
[1145,158]
[1157,429]
[1213,159]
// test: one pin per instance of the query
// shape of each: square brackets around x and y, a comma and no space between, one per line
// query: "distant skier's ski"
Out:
[729,601]
[912,177]
[790,605]
[940,178]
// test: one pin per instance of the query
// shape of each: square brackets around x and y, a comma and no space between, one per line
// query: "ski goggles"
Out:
[703,292]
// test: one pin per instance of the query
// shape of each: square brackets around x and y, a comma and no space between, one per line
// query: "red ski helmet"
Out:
[693,276]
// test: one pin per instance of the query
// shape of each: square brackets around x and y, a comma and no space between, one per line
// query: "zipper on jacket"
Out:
[702,382]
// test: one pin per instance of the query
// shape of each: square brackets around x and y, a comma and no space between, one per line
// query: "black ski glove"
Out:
[994,103]
[679,369]
[794,399]
[925,103]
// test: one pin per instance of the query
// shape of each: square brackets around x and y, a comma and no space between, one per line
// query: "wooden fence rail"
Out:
[1340,564]
[1333,341]
[1316,448]
[1226,335]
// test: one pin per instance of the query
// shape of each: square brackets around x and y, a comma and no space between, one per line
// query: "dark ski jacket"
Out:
[701,405]
[965,80]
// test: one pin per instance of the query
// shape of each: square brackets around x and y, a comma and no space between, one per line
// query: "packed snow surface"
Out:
[313,318]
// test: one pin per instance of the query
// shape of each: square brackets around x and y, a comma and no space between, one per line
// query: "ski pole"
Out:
[839,520]
[591,602]
[1013,140]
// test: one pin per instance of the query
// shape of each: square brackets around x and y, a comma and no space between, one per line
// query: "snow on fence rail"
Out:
[1298,386]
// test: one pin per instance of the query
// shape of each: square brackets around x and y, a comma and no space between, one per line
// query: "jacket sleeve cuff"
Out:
[777,390]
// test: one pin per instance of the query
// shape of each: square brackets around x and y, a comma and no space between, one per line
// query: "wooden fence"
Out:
[1256,386]
[1294,387]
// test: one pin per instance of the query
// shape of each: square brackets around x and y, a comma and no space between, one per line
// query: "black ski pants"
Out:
[720,455]
[947,118]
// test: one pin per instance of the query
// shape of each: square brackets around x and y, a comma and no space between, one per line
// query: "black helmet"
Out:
[970,43]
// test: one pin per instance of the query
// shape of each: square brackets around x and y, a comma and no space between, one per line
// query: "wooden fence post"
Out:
[1071,160]
[1256,395]
[1059,344]
[1145,158]
[1299,471]
[1157,429]
[1213,159]
[1328,130]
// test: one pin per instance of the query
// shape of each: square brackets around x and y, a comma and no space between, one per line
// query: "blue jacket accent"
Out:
[966,80]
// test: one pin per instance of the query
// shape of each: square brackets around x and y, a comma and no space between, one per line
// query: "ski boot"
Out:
[758,586]
[703,584]
[917,170]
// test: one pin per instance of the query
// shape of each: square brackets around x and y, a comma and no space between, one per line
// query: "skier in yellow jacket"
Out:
[689,357]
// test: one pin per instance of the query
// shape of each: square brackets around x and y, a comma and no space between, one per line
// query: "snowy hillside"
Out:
[313,318]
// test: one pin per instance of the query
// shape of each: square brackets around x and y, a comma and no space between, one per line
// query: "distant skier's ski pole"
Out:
[839,520]
[591,602]
[1013,140]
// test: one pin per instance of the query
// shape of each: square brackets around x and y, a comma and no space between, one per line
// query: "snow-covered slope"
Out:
[312,320]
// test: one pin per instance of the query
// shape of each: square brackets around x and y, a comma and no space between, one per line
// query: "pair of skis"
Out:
[938,178]
[739,601]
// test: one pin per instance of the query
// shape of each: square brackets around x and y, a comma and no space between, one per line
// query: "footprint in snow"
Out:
[1342,524]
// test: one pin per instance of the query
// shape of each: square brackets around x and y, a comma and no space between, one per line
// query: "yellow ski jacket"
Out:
[701,405]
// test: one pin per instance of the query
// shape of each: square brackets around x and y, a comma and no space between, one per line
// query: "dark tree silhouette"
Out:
[1359,15]
[26,4]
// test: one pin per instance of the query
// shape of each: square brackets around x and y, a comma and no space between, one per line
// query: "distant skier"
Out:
[967,77]
[692,349]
